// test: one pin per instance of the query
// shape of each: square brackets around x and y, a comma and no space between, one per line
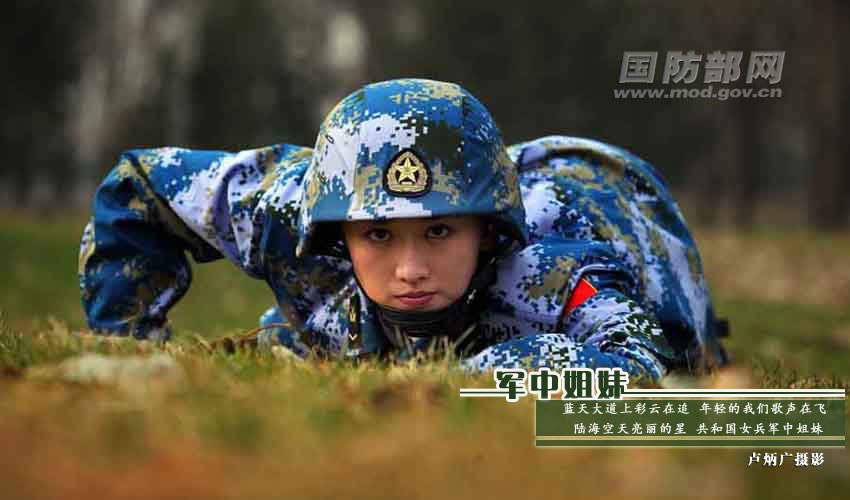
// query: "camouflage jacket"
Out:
[610,277]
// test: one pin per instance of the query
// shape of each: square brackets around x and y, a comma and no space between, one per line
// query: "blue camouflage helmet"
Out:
[408,148]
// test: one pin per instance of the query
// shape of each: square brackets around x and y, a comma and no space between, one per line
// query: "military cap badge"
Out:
[407,175]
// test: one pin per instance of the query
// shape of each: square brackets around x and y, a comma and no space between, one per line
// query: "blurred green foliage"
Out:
[89,79]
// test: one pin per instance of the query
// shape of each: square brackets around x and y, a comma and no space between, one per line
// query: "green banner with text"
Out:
[740,422]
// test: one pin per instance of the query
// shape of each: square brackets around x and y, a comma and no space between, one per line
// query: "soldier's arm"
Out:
[151,209]
[601,328]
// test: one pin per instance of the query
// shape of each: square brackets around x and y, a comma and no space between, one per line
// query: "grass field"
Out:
[260,426]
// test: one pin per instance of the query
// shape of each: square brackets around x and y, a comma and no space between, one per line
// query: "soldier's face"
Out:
[414,264]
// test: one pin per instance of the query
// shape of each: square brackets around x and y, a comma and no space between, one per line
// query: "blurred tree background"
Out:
[89,78]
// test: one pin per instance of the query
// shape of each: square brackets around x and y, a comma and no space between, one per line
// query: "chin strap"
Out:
[456,322]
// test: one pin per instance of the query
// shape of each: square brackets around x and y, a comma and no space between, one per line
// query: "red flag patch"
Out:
[583,291]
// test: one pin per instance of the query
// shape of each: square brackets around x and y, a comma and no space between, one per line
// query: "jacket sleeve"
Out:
[571,304]
[618,213]
[151,209]
[607,330]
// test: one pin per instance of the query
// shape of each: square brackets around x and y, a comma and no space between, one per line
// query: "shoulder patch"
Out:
[583,291]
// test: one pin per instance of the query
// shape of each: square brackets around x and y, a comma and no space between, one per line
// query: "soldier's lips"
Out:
[416,299]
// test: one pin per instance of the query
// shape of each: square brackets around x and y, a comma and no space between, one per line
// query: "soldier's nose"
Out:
[412,265]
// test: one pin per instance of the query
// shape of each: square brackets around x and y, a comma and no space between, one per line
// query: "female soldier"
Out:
[409,223]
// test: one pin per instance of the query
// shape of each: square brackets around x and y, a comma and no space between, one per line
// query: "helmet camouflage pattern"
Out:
[409,148]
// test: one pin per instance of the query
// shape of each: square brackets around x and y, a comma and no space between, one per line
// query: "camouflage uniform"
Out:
[598,267]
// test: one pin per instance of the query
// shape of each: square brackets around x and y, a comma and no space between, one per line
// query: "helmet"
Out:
[404,149]
[408,149]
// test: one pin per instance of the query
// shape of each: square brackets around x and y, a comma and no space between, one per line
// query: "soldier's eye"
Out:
[438,231]
[378,235]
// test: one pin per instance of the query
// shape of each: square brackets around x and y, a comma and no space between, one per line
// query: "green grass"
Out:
[253,425]
[806,339]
